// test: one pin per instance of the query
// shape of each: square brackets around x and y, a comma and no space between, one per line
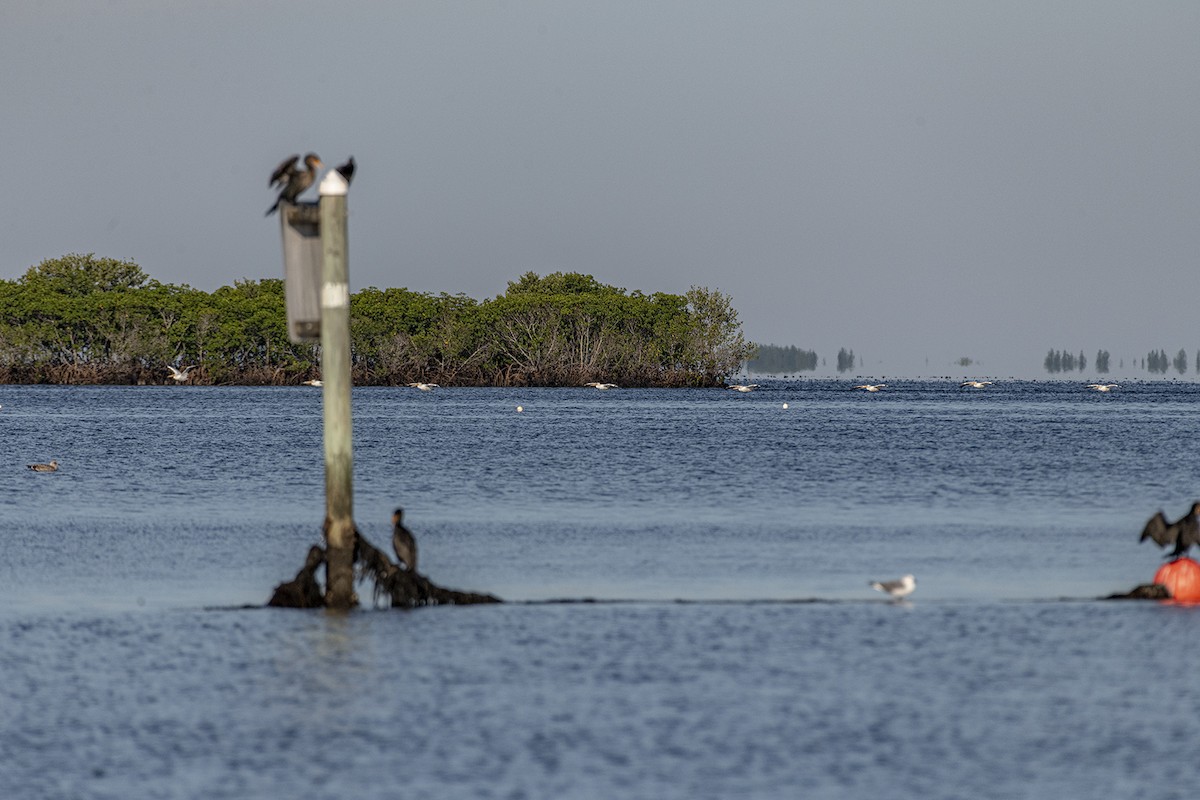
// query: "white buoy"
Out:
[520,409]
[785,405]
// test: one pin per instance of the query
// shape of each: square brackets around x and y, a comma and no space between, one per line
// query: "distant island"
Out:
[81,319]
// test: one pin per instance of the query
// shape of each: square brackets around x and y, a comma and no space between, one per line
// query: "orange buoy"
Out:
[1182,579]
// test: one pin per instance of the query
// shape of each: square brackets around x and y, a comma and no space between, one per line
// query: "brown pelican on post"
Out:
[291,180]
[403,542]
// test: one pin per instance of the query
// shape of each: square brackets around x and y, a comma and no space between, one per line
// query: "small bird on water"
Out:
[897,589]
[403,542]
[51,467]
[291,180]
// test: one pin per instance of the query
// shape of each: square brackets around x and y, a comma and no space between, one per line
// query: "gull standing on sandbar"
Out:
[897,589]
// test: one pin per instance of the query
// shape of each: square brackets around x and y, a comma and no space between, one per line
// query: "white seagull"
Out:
[871,387]
[313,382]
[743,387]
[604,387]
[180,375]
[425,387]
[1103,387]
[51,467]
[976,384]
[900,588]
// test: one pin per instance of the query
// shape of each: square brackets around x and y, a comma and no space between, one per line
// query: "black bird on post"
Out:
[403,542]
[346,170]
[291,180]
[1183,533]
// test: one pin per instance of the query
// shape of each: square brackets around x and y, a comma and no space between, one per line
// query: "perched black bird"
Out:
[1183,533]
[291,180]
[346,170]
[403,542]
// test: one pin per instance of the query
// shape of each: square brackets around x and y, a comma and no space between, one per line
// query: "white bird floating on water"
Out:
[425,387]
[976,384]
[180,375]
[900,588]
[743,387]
[1103,387]
[313,382]
[871,387]
[51,467]
[604,387]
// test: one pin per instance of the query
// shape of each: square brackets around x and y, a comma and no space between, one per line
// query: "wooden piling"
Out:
[335,372]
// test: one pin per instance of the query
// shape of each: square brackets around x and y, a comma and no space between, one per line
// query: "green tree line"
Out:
[1156,361]
[776,359]
[84,319]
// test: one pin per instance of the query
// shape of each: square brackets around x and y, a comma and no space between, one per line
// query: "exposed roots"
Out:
[403,589]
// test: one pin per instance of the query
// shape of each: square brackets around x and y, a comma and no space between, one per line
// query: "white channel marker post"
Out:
[335,372]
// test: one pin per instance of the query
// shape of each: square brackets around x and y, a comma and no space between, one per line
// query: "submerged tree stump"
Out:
[303,591]
[402,588]
[1147,591]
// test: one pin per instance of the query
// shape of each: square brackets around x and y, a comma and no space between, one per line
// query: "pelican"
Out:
[743,387]
[604,387]
[291,180]
[1103,387]
[871,387]
[425,387]
[403,542]
[976,384]
[900,588]
[51,467]
[312,383]
[180,375]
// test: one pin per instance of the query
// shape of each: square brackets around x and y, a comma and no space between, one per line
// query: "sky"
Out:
[918,182]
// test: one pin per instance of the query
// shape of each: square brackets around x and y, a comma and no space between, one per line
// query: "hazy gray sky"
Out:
[917,181]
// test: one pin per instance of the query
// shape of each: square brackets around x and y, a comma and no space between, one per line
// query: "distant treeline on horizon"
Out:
[82,319]
[1155,362]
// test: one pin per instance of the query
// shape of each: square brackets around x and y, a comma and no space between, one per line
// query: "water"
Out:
[734,649]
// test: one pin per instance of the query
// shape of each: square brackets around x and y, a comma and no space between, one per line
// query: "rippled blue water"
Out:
[130,670]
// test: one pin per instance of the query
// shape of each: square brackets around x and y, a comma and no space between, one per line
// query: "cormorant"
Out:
[403,542]
[1183,533]
[900,588]
[346,170]
[51,467]
[291,180]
